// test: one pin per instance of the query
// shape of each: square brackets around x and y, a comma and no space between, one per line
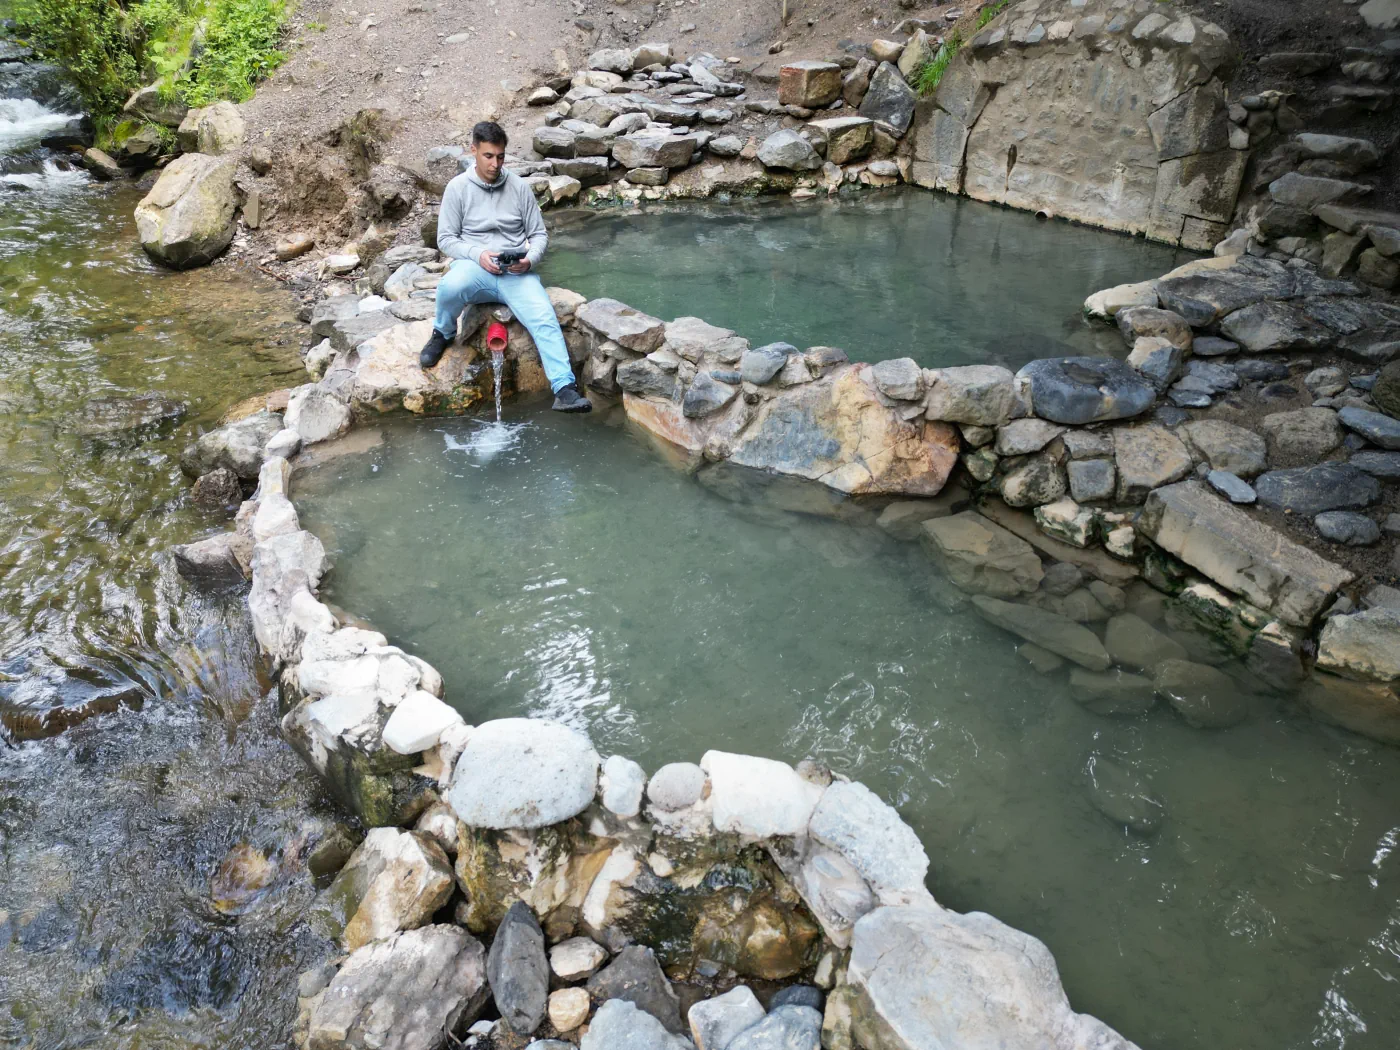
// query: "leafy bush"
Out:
[240,48]
[200,50]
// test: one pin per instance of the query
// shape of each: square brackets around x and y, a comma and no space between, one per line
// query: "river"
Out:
[111,832]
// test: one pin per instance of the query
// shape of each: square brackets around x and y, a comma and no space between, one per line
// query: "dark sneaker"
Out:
[570,400]
[437,346]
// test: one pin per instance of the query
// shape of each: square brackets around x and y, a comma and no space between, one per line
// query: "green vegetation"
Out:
[928,76]
[198,50]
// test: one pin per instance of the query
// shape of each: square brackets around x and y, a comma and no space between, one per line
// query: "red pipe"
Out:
[496,338]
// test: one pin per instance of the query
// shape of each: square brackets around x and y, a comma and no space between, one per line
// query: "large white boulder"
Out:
[523,773]
[758,796]
[188,217]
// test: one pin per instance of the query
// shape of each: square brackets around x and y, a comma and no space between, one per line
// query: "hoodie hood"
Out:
[498,184]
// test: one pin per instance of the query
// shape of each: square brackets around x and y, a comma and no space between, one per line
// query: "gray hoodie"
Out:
[477,216]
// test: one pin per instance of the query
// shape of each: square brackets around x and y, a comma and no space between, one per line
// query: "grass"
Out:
[928,76]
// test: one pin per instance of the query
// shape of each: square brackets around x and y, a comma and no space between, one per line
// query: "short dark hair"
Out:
[488,131]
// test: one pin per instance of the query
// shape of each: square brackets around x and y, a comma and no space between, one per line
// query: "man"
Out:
[486,211]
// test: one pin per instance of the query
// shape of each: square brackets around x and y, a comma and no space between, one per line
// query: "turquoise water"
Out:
[572,573]
[889,274]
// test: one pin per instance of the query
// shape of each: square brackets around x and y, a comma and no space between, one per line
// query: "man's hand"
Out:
[523,266]
[488,262]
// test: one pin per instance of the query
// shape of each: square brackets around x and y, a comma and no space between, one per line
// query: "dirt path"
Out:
[440,67]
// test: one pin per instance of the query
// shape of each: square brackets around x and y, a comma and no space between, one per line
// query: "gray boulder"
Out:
[1377,464]
[1115,693]
[1303,435]
[188,217]
[654,149]
[929,977]
[523,773]
[760,364]
[518,970]
[647,379]
[676,785]
[715,1022]
[980,556]
[402,993]
[1147,457]
[218,488]
[1347,527]
[706,395]
[1312,490]
[635,976]
[235,446]
[209,562]
[866,830]
[785,1028]
[1136,322]
[789,151]
[1225,446]
[1274,326]
[899,378]
[981,395]
[1123,797]
[1362,645]
[889,99]
[619,1025]
[629,328]
[1079,390]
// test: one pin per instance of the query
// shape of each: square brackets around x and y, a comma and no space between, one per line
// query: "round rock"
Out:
[1079,390]
[1348,527]
[675,786]
[523,773]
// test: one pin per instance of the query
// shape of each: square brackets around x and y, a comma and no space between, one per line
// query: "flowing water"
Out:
[109,834]
[885,274]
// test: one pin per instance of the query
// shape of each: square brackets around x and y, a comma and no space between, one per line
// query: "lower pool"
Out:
[570,572]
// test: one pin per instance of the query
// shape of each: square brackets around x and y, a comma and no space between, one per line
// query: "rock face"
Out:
[404,993]
[933,978]
[1162,166]
[523,773]
[1241,554]
[837,431]
[188,217]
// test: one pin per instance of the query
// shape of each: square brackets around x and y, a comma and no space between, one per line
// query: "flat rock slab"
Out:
[638,332]
[1375,427]
[1204,697]
[933,978]
[1058,634]
[1312,490]
[523,773]
[1240,554]
[1079,390]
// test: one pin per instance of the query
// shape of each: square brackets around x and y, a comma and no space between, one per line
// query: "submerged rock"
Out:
[979,555]
[1123,797]
[1049,630]
[1204,697]
[236,446]
[1112,692]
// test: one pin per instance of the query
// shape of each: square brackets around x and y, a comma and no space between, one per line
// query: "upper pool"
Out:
[894,274]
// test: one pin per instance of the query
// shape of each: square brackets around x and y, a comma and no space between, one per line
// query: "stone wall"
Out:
[1108,112]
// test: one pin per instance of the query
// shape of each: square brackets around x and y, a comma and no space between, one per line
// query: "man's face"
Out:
[489,158]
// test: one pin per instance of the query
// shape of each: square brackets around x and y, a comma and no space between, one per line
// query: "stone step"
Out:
[1241,554]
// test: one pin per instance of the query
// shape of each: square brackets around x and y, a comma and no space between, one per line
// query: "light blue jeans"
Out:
[466,282]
